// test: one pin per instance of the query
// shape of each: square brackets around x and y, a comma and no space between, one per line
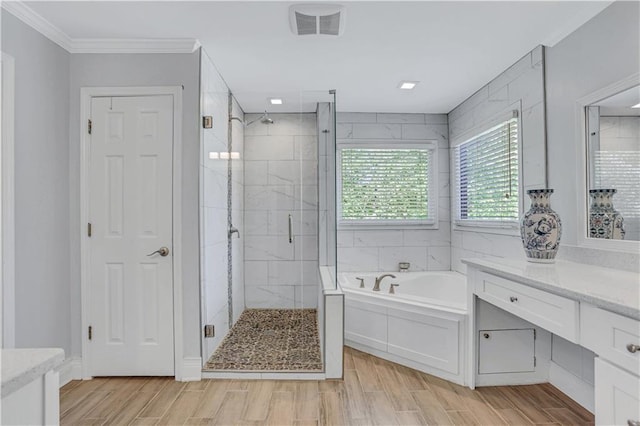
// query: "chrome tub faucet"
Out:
[376,286]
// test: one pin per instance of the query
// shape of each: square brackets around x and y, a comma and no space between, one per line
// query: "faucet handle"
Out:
[392,288]
[361,281]
[404,266]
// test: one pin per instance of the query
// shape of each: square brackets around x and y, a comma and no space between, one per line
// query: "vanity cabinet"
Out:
[613,337]
[576,302]
[30,386]
[617,395]
[555,313]
[616,340]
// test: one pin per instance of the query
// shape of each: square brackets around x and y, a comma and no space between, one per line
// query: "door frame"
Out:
[86,94]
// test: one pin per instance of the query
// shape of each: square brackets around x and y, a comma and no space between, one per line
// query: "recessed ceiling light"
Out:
[636,106]
[408,85]
[275,101]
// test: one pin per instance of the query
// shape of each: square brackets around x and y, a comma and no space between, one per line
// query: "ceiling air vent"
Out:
[317,19]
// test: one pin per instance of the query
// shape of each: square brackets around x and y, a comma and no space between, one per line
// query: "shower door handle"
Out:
[290,231]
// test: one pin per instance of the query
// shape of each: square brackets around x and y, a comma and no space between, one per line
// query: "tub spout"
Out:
[376,286]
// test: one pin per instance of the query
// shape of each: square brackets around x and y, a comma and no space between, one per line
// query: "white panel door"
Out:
[130,192]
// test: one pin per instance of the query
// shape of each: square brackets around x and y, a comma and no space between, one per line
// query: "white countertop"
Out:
[610,289]
[22,366]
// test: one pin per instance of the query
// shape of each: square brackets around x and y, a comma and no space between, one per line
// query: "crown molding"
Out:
[97,45]
[38,23]
[138,45]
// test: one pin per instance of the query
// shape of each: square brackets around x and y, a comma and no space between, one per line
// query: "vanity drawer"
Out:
[617,395]
[610,335]
[554,313]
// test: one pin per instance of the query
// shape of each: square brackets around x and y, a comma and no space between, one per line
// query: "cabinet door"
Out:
[506,351]
[617,394]
[611,336]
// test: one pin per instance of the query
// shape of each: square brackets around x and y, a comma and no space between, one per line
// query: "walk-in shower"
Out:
[265,193]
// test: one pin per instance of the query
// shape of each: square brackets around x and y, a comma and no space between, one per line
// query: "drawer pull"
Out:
[633,422]
[633,349]
[513,299]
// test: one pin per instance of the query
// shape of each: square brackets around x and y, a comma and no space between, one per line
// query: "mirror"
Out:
[613,174]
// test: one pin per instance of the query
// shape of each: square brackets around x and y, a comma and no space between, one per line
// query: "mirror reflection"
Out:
[613,137]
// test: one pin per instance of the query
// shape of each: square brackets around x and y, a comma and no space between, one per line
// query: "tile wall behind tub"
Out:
[381,250]
[281,178]
[521,83]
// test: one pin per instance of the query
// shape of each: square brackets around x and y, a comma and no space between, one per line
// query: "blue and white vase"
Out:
[540,228]
[604,220]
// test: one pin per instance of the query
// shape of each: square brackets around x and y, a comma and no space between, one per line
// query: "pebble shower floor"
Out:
[270,340]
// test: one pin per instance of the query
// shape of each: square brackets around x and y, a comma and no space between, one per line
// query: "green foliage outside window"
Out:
[385,184]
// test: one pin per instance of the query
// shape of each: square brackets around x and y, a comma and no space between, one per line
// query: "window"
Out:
[387,184]
[620,170]
[487,176]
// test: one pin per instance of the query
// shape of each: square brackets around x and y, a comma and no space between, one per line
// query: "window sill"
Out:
[488,228]
[385,226]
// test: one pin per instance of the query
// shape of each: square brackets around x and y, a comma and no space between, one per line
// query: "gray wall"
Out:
[601,52]
[143,70]
[41,186]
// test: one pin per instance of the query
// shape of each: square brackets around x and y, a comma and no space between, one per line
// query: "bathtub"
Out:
[421,326]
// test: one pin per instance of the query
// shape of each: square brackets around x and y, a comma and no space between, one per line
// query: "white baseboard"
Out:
[191,369]
[572,386]
[70,369]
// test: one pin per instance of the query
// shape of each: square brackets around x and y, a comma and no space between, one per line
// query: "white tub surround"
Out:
[331,323]
[30,386]
[446,290]
[427,304]
[594,307]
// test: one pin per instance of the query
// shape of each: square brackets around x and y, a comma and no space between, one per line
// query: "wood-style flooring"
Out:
[374,392]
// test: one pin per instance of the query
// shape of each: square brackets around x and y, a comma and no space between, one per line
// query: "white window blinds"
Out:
[487,175]
[387,184]
[620,170]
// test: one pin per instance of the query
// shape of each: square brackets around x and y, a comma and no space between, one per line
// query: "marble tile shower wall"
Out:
[213,201]
[281,178]
[520,86]
[381,250]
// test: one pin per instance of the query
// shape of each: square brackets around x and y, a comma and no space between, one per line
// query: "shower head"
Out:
[264,119]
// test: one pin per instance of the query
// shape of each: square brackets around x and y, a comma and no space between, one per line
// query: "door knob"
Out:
[162,251]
